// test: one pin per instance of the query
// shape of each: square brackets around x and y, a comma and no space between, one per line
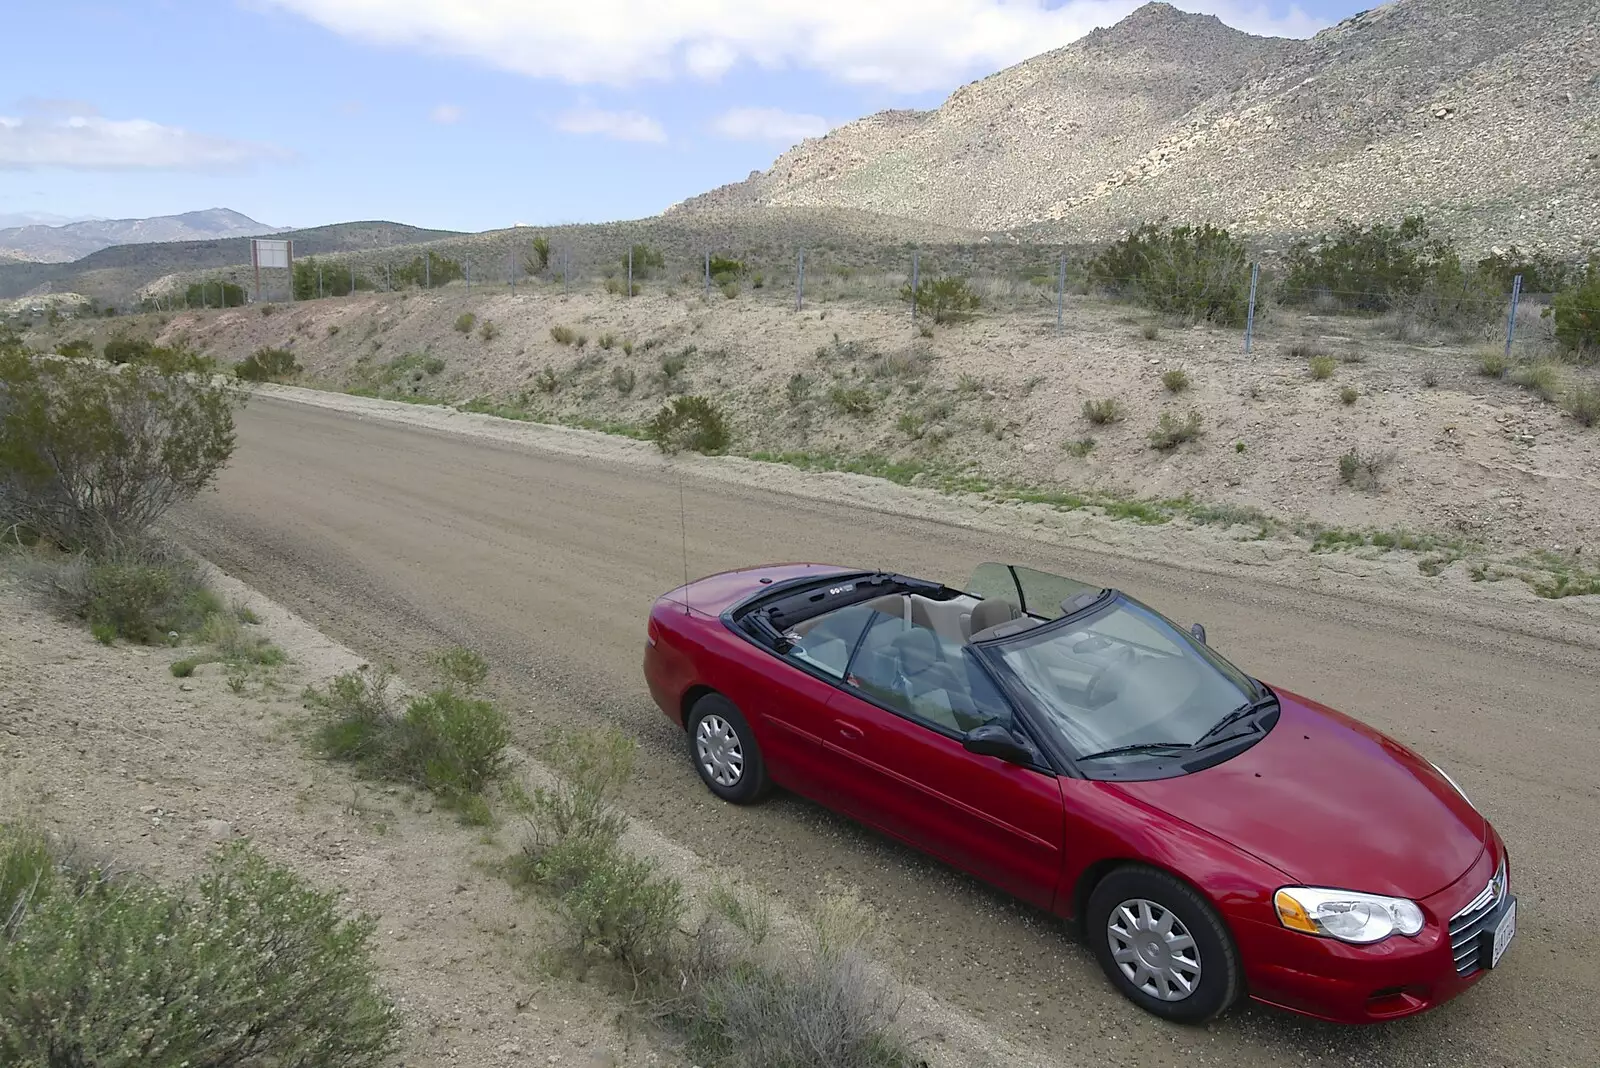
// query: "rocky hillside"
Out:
[1485,117]
[65,243]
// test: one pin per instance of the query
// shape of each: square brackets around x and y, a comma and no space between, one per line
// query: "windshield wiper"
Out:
[1244,711]
[1140,747]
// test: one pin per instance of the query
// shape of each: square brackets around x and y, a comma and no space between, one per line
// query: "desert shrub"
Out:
[692,423]
[1544,379]
[79,349]
[1304,351]
[1363,268]
[723,268]
[945,299]
[1170,431]
[428,270]
[623,380]
[1150,332]
[92,456]
[1103,412]
[1322,367]
[1583,404]
[1577,314]
[580,341]
[730,290]
[268,309]
[1080,448]
[1362,469]
[465,322]
[1492,363]
[673,366]
[1349,395]
[1175,379]
[488,332]
[607,341]
[121,350]
[336,279]
[646,261]
[248,966]
[563,335]
[449,741]
[1541,272]
[140,591]
[215,295]
[547,380]
[1430,375]
[852,400]
[1458,297]
[1200,273]
[267,365]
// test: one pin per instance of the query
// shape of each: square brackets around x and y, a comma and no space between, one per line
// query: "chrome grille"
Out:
[1471,922]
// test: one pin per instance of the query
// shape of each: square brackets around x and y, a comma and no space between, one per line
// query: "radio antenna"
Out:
[683,532]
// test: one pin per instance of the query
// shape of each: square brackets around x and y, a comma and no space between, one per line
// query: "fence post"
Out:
[566,271]
[800,283]
[511,270]
[320,292]
[1511,321]
[427,270]
[388,280]
[469,274]
[352,279]
[1061,290]
[629,294]
[1250,319]
[708,274]
[916,265]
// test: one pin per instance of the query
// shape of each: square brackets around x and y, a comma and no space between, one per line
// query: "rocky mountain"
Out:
[1484,116]
[71,241]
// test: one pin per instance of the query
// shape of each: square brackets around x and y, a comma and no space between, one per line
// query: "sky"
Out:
[480,114]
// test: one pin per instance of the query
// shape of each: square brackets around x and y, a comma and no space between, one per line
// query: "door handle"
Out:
[848,731]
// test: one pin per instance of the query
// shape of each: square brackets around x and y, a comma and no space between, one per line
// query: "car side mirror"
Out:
[1199,632]
[993,740]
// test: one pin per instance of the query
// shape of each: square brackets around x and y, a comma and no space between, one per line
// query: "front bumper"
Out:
[1343,983]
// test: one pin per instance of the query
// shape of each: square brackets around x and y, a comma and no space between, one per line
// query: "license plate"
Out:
[1503,932]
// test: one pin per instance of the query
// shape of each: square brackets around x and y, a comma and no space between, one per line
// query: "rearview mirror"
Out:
[1199,633]
[993,740]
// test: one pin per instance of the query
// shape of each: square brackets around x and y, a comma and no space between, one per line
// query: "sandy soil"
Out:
[544,548]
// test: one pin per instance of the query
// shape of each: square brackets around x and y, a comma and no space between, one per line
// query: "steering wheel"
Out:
[1092,693]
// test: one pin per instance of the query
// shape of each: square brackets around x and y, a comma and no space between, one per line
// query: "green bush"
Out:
[563,335]
[1363,469]
[724,269]
[538,261]
[433,271]
[1200,273]
[607,341]
[623,379]
[646,260]
[1349,395]
[852,400]
[730,290]
[139,591]
[1175,379]
[267,365]
[945,299]
[449,741]
[692,423]
[465,322]
[1102,412]
[91,456]
[1492,363]
[1543,379]
[248,966]
[121,350]
[1322,367]
[214,295]
[1577,314]
[1541,272]
[488,332]
[1170,432]
[80,349]
[336,278]
[1363,268]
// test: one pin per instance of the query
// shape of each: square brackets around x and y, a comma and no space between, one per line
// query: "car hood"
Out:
[714,594]
[1330,802]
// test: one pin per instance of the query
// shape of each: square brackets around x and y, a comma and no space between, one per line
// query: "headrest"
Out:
[917,650]
[991,610]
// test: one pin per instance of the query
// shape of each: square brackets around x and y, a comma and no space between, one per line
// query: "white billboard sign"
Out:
[270,254]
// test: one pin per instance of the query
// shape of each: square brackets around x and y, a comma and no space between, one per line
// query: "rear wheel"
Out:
[1163,945]
[724,750]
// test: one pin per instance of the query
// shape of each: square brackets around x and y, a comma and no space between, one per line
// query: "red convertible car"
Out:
[1215,837]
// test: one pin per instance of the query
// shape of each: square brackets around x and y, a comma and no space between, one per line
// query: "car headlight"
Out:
[1452,782]
[1346,915]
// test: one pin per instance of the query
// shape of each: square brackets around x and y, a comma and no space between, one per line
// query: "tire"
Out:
[731,765]
[1208,965]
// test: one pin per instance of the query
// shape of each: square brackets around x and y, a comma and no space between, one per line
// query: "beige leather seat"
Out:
[989,612]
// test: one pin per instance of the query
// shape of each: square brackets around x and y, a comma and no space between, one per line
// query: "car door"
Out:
[903,769]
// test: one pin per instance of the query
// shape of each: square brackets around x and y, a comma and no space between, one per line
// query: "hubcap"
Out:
[1154,949]
[717,746]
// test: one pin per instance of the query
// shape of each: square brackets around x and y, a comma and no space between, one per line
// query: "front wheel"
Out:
[724,750]
[1163,945]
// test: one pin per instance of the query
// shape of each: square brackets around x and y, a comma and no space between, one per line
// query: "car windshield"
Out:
[1124,676]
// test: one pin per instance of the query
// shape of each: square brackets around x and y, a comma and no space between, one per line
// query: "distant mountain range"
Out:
[42,242]
[1483,116]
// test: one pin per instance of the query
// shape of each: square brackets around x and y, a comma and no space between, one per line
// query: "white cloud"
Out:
[52,137]
[617,125]
[904,45]
[446,114]
[769,124]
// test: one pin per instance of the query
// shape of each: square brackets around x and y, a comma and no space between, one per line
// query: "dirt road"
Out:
[393,539]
